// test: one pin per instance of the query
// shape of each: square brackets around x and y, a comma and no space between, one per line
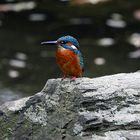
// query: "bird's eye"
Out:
[63,42]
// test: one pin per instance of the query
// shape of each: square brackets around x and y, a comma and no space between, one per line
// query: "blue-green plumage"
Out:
[74,41]
[68,49]
[70,39]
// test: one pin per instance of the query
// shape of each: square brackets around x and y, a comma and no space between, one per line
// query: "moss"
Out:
[15,126]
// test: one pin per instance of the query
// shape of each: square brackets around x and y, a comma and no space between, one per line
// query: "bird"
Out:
[68,56]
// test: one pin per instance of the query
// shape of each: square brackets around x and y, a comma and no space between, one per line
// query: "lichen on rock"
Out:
[104,108]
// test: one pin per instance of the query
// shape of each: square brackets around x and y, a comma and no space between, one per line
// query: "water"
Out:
[108,33]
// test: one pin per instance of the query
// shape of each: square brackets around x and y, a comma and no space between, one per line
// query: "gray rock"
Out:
[104,108]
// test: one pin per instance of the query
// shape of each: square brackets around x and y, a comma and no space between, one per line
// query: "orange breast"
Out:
[68,62]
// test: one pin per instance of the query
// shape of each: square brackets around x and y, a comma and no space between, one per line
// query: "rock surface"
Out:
[104,108]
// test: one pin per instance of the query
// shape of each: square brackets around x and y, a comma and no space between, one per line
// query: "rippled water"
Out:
[108,33]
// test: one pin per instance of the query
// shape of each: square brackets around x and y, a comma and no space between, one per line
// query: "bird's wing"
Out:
[79,54]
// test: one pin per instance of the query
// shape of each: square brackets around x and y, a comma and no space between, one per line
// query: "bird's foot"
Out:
[73,78]
[64,76]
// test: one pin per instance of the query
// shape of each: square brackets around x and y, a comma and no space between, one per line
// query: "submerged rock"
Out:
[104,108]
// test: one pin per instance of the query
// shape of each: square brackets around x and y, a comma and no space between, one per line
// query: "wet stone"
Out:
[104,108]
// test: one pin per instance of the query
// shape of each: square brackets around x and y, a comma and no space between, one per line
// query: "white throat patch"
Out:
[73,47]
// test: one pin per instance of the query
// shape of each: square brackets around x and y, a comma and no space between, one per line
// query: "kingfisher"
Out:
[68,56]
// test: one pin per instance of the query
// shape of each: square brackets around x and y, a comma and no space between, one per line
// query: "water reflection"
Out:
[134,39]
[116,21]
[37,17]
[17,7]
[17,63]
[134,54]
[13,73]
[88,1]
[137,14]
[8,95]
[99,61]
[21,56]
[106,42]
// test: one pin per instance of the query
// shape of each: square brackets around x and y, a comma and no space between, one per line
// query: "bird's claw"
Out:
[73,78]
[64,76]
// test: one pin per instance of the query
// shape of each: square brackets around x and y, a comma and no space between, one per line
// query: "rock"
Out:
[104,108]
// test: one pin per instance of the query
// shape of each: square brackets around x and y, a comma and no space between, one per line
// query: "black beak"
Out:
[49,43]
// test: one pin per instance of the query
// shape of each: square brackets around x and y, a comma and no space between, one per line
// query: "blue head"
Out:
[64,41]
[68,39]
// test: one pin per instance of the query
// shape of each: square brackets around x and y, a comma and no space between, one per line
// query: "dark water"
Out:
[109,36]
